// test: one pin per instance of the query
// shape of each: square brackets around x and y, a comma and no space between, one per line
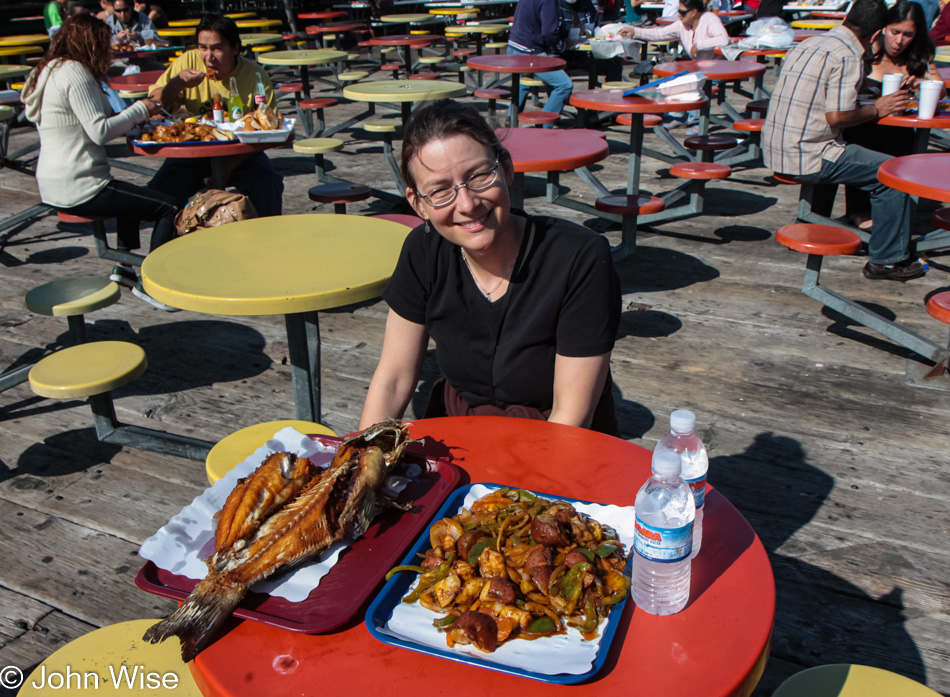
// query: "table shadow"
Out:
[59,455]
[847,328]
[656,269]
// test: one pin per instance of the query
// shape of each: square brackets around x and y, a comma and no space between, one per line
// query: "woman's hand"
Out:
[152,105]
[628,31]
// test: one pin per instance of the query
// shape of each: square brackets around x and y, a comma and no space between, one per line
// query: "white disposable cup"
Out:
[927,103]
[890,83]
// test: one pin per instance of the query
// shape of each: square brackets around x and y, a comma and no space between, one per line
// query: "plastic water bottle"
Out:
[663,539]
[681,439]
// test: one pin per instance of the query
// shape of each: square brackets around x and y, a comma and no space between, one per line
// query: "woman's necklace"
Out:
[486,293]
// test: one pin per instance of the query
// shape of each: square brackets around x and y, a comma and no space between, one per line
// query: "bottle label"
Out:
[236,113]
[698,487]
[665,545]
[217,115]
[259,99]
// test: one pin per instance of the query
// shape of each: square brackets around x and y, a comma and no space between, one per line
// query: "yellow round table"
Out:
[815,23]
[178,23]
[258,23]
[294,265]
[11,72]
[408,18]
[262,38]
[6,51]
[453,11]
[241,15]
[478,30]
[24,40]
[180,34]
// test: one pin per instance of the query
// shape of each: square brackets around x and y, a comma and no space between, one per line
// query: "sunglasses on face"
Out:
[682,12]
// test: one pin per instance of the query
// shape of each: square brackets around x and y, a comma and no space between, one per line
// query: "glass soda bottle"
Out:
[260,94]
[217,111]
[235,104]
[695,463]
[663,539]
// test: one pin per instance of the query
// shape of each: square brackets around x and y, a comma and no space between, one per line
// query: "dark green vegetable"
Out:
[541,625]
[444,622]
[430,578]
[405,567]
[479,547]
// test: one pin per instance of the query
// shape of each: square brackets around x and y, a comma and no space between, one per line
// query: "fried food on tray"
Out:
[264,118]
[184,132]
[286,511]
[514,565]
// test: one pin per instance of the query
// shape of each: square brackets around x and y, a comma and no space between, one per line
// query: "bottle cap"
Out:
[667,462]
[682,420]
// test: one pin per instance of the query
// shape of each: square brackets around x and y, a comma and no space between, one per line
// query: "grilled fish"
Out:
[285,512]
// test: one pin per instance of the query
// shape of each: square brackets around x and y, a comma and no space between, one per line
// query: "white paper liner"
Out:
[566,653]
[183,544]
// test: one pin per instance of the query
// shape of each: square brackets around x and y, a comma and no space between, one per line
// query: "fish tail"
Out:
[197,620]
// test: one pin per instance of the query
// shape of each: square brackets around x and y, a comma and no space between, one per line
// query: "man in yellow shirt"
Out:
[191,81]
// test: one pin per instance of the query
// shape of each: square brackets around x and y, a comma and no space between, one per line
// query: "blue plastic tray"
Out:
[380,610]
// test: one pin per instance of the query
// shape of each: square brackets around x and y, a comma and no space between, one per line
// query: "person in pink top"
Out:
[699,32]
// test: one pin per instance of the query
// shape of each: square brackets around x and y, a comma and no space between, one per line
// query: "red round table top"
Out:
[404,39]
[802,34]
[945,74]
[137,82]
[552,149]
[331,27]
[828,14]
[503,63]
[716,646]
[181,151]
[601,99]
[926,175]
[329,14]
[912,121]
[713,69]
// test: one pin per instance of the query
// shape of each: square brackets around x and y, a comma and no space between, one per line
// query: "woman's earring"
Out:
[428,230]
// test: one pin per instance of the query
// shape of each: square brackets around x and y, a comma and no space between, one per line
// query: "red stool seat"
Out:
[649,120]
[825,240]
[758,106]
[410,221]
[538,117]
[941,218]
[317,103]
[425,76]
[339,193]
[749,125]
[492,93]
[939,306]
[391,66]
[717,141]
[290,37]
[700,170]
[785,179]
[463,52]
[624,204]
[77,219]
[291,87]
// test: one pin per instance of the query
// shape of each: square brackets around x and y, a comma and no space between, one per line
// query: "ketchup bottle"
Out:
[217,111]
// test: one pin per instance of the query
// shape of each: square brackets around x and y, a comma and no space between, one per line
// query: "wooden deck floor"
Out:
[812,433]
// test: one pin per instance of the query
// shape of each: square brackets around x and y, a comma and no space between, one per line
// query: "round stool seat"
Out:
[6,113]
[425,76]
[492,93]
[712,142]
[538,117]
[391,66]
[388,126]
[627,204]
[941,218]
[496,45]
[87,369]
[77,219]
[620,85]
[116,646]
[72,296]
[749,125]
[700,170]
[290,87]
[317,103]
[939,306]
[266,48]
[649,120]
[531,82]
[235,448]
[352,76]
[846,680]
[825,240]
[339,193]
[463,52]
[317,146]
[785,179]
[430,60]
[410,221]
[758,106]
[138,94]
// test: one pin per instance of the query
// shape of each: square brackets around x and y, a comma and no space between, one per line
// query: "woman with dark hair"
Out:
[523,309]
[699,32]
[904,47]
[63,96]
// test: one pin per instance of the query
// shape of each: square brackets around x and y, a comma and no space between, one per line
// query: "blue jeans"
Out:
[255,177]
[559,88]
[890,209]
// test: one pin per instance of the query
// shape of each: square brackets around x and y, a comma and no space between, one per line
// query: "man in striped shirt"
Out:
[815,98]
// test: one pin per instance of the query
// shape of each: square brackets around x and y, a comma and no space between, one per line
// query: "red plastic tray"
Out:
[358,571]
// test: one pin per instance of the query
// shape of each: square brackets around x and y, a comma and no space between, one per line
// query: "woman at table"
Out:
[63,96]
[523,309]
[699,32]
[904,47]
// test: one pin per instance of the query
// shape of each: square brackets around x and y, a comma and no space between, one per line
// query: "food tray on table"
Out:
[561,659]
[137,132]
[356,573]
[276,136]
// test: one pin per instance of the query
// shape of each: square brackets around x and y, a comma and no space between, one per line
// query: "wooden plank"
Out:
[50,634]
[18,614]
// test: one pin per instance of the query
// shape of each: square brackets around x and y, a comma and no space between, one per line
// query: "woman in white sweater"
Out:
[699,32]
[64,98]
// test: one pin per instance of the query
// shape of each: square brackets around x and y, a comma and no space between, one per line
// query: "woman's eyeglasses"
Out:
[479,181]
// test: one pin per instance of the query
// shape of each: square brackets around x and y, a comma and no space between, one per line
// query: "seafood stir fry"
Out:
[183,132]
[514,565]
[284,512]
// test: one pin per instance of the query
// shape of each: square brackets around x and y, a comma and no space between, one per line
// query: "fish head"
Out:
[391,436]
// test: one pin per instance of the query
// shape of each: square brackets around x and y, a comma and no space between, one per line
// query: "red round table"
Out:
[135,83]
[614,101]
[400,41]
[802,34]
[334,28]
[329,14]
[926,175]
[713,70]
[515,65]
[923,126]
[717,646]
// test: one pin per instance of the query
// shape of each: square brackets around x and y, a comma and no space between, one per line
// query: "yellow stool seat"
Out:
[133,95]
[317,146]
[497,44]
[263,49]
[117,646]
[620,85]
[847,680]
[381,126]
[431,60]
[352,56]
[6,113]
[387,49]
[234,449]
[72,296]
[17,85]
[352,76]
[531,82]
[87,369]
